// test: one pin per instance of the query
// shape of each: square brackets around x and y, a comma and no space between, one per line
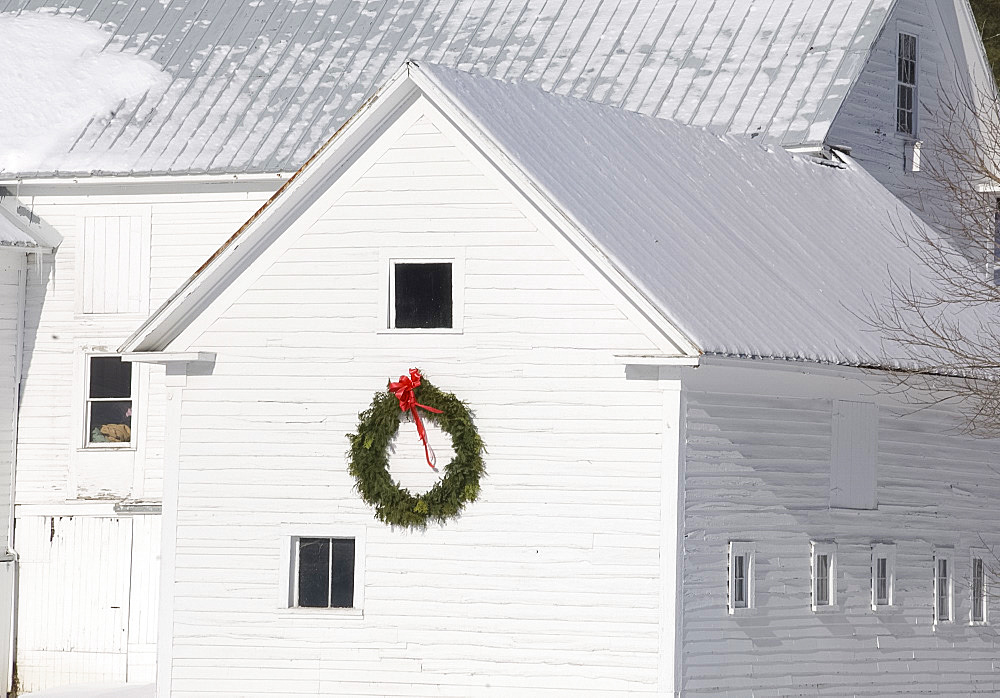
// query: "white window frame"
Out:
[887,552]
[134,389]
[979,554]
[828,548]
[748,552]
[906,30]
[389,258]
[947,555]
[288,570]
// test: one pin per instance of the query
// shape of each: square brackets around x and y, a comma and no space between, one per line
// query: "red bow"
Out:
[403,390]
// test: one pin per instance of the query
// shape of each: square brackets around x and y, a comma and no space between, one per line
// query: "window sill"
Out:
[421,330]
[828,608]
[355,613]
[107,447]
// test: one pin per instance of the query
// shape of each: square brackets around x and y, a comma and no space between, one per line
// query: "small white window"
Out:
[979,587]
[943,586]
[824,575]
[324,572]
[109,401]
[741,574]
[422,294]
[114,263]
[906,84]
[883,575]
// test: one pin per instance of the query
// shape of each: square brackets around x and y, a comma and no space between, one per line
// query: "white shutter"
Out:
[115,264]
[854,454]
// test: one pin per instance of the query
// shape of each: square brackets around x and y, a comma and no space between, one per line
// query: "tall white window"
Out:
[741,576]
[883,575]
[978,587]
[943,586]
[906,83]
[824,574]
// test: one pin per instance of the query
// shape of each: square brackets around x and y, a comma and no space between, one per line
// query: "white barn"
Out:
[217,104]
[692,487]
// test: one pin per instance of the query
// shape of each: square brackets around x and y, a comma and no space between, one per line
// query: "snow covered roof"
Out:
[14,232]
[258,86]
[747,249]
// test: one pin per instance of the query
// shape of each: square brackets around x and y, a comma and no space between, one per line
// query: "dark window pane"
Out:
[423,295]
[110,421]
[314,572]
[342,579]
[110,377]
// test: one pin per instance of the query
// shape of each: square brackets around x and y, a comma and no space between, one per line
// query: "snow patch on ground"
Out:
[57,76]
[120,690]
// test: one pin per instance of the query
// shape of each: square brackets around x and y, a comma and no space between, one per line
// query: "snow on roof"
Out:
[57,78]
[751,250]
[13,232]
[258,86]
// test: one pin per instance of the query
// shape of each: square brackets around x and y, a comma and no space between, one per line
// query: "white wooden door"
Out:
[73,599]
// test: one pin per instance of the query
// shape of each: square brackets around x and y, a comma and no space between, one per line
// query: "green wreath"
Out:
[377,427]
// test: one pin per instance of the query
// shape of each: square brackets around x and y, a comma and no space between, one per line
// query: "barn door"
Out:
[73,599]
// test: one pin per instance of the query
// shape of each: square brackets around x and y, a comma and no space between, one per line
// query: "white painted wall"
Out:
[867,120]
[551,584]
[757,469]
[66,633]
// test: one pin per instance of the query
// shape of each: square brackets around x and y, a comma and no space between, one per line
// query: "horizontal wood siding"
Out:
[50,428]
[758,471]
[549,585]
[867,120]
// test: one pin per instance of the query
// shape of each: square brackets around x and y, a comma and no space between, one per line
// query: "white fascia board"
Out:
[45,236]
[147,179]
[658,360]
[547,204]
[197,293]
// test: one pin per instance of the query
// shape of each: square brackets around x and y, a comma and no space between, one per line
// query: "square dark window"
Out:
[423,294]
[325,574]
[109,401]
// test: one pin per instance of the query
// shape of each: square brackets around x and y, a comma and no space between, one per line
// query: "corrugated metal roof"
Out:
[758,253]
[258,86]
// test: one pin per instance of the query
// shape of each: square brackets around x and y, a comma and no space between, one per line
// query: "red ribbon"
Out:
[403,390]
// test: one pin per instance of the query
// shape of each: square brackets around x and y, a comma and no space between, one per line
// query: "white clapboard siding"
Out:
[82,636]
[184,228]
[867,120]
[854,454]
[757,470]
[551,582]
[114,275]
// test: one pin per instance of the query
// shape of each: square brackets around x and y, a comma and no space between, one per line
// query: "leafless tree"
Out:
[946,324]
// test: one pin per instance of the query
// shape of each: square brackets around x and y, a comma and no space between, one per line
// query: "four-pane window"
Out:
[977,612]
[109,401]
[824,574]
[883,574]
[942,587]
[741,571]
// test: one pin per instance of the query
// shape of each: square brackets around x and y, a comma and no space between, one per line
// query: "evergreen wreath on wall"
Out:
[377,427]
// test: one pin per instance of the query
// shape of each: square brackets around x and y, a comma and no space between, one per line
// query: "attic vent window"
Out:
[422,295]
[906,83]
